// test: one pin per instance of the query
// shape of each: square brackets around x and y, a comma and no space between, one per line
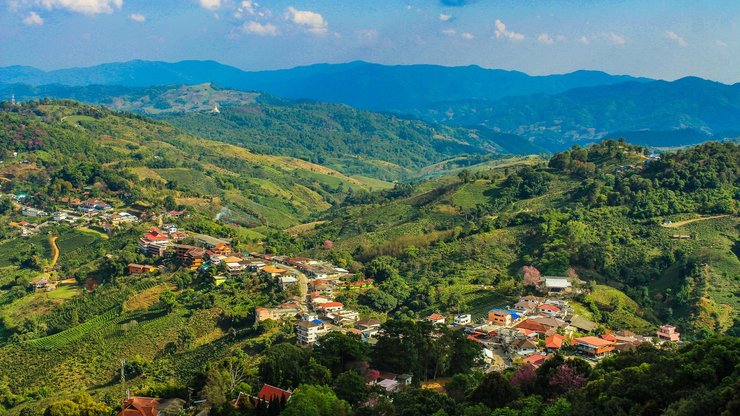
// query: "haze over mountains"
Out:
[550,112]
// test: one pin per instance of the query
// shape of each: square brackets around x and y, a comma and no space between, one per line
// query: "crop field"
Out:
[11,248]
[68,336]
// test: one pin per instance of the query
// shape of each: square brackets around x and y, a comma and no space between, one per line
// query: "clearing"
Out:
[682,223]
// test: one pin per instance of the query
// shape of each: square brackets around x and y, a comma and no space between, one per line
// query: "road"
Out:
[682,223]
[302,282]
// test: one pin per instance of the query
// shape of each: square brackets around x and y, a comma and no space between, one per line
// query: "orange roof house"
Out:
[554,342]
[272,270]
[436,318]
[594,346]
[149,406]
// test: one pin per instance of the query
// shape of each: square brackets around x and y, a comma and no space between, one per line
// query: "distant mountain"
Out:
[359,84]
[592,113]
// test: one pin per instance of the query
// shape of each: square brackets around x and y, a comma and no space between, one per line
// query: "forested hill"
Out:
[66,147]
[711,108]
[608,212]
[351,141]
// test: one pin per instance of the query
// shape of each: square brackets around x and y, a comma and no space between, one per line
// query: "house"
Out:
[134,268]
[405,379]
[532,326]
[463,319]
[268,394]
[221,249]
[122,218]
[322,286]
[60,216]
[593,346]
[287,281]
[40,283]
[524,306]
[582,324]
[330,306]
[154,243]
[94,205]
[523,346]
[209,242]
[33,212]
[554,342]
[362,284]
[344,317]
[535,360]
[502,317]
[436,318]
[149,406]
[175,214]
[556,284]
[308,332]
[368,323]
[390,386]
[668,332]
[548,309]
[272,271]
[551,322]
[276,314]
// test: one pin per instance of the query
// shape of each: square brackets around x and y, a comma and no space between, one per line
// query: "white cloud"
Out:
[615,39]
[367,34]
[33,19]
[467,36]
[260,29]
[210,4]
[311,21]
[444,17]
[545,38]
[584,40]
[82,6]
[137,17]
[449,32]
[720,44]
[501,32]
[676,38]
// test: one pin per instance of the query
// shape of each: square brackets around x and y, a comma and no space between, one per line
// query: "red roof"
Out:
[140,406]
[435,317]
[551,308]
[155,237]
[535,359]
[331,305]
[609,337]
[270,393]
[532,326]
[554,341]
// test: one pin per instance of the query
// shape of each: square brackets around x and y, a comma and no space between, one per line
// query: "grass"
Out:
[10,248]
[470,195]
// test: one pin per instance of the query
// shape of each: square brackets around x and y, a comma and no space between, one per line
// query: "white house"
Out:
[463,319]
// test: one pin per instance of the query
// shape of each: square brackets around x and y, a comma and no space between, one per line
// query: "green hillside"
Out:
[135,159]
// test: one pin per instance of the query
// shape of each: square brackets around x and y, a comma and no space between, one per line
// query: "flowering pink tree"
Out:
[566,379]
[531,276]
[524,377]
[328,244]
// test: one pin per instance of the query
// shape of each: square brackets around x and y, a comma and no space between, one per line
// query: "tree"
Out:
[337,351]
[413,402]
[168,300]
[311,400]
[382,268]
[282,366]
[380,300]
[494,391]
[185,337]
[351,387]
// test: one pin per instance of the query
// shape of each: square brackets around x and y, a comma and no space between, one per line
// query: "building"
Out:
[502,317]
[134,268]
[122,218]
[368,323]
[524,306]
[668,332]
[330,306]
[463,319]
[154,243]
[557,284]
[436,318]
[272,271]
[221,249]
[582,324]
[287,281]
[523,346]
[33,212]
[94,205]
[593,346]
[209,242]
[554,342]
[149,406]
[268,394]
[192,256]
[60,216]
[308,332]
[548,309]
[276,314]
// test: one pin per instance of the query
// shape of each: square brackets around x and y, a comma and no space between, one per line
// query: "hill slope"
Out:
[110,152]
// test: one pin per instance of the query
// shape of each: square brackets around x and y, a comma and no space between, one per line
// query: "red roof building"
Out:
[269,393]
[554,342]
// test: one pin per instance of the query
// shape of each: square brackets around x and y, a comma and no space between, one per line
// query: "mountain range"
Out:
[536,112]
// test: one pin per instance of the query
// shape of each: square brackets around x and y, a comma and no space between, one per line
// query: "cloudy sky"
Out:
[665,39]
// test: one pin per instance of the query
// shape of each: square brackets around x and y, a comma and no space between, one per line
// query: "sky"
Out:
[666,39]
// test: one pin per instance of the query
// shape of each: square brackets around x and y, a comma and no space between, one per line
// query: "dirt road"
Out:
[685,222]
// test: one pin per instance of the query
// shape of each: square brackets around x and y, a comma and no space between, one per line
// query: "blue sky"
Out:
[665,39]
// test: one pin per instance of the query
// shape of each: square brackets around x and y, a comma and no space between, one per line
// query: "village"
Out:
[527,332]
